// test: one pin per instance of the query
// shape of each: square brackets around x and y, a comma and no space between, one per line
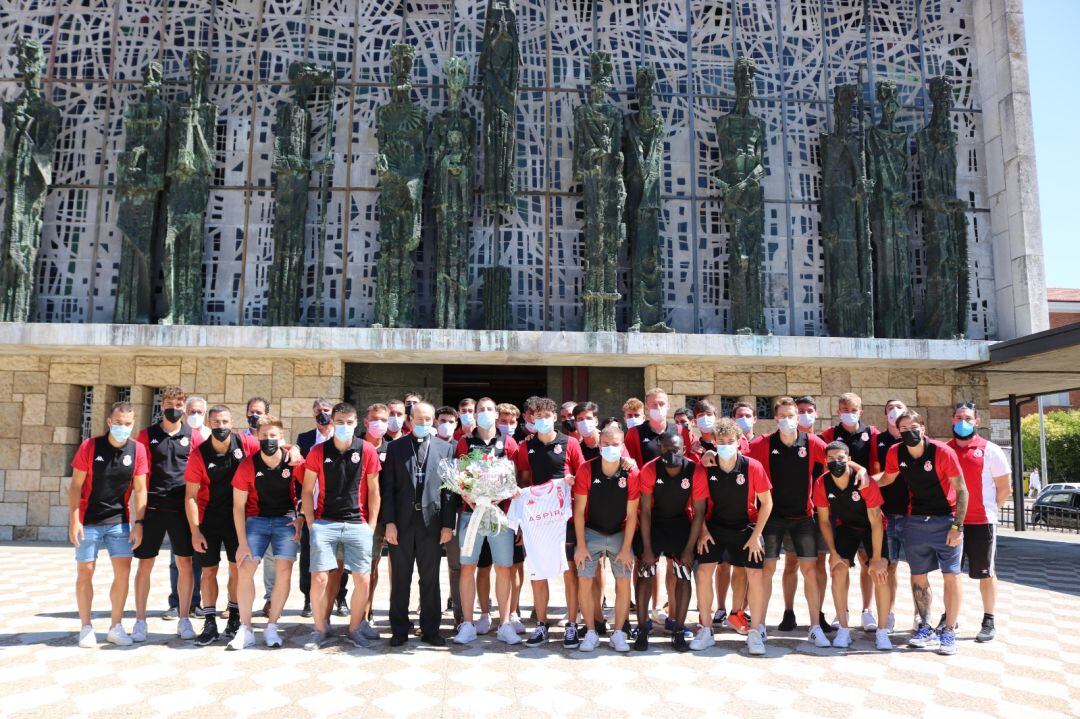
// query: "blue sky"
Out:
[1055,100]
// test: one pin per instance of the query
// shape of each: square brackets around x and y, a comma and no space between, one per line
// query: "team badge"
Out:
[285,473]
[356,458]
[499,444]
[622,482]
[184,441]
[865,436]
[802,451]
[928,465]
[238,453]
[127,461]
[854,496]
[978,453]
[558,449]
[382,456]
[685,484]
[740,480]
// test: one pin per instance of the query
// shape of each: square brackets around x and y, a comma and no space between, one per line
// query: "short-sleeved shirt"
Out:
[927,477]
[643,442]
[847,505]
[109,472]
[733,501]
[271,490]
[341,480]
[790,471]
[559,458]
[605,509]
[673,497]
[896,495]
[981,461]
[499,446]
[168,454]
[213,473]
[862,444]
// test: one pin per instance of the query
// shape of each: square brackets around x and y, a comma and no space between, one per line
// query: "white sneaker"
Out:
[244,639]
[590,642]
[817,636]
[755,643]
[515,624]
[184,630]
[138,632]
[763,632]
[507,634]
[882,640]
[618,641]
[916,623]
[483,624]
[87,638]
[890,624]
[842,638]
[466,633]
[869,623]
[368,631]
[703,639]
[836,622]
[271,637]
[118,636]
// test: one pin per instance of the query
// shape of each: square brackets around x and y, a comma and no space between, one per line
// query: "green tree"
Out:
[1062,444]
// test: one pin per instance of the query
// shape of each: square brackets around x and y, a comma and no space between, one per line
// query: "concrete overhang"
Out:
[1041,363]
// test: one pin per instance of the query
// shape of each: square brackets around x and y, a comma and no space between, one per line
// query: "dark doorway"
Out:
[501,383]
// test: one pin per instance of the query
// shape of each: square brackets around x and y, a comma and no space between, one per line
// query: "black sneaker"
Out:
[824,624]
[941,625]
[209,633]
[626,627]
[341,610]
[678,642]
[788,623]
[195,611]
[571,640]
[232,626]
[601,628]
[306,611]
[986,634]
[641,640]
[538,637]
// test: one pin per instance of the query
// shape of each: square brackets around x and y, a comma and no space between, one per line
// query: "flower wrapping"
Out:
[483,480]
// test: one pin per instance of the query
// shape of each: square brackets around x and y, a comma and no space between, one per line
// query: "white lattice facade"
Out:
[97,48]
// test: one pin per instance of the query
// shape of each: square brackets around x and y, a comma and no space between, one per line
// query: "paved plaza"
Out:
[1031,670]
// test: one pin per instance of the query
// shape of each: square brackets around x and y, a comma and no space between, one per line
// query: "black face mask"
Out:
[837,467]
[672,459]
[911,437]
[268,446]
[221,433]
[253,420]
[173,414]
[322,419]
[568,426]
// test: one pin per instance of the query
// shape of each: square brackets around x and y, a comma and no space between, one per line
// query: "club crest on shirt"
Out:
[865,436]
[285,472]
[740,479]
[685,484]
[382,456]
[184,441]
[127,461]
[622,482]
[977,453]
[558,449]
[928,465]
[355,458]
[855,496]
[499,445]
[238,453]
[802,451]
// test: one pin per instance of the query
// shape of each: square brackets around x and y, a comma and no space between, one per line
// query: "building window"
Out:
[727,406]
[87,422]
[1061,399]
[123,394]
[764,408]
[691,403]
[155,410]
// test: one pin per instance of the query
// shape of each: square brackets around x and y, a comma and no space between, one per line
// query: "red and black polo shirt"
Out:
[605,509]
[109,472]
[168,462]
[732,496]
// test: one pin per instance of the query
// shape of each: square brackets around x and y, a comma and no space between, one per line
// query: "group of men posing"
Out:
[701,490]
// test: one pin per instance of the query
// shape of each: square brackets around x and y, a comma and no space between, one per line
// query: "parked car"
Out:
[1057,509]
[1058,486]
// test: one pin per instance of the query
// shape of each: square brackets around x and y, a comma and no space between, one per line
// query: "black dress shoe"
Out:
[398,640]
[435,640]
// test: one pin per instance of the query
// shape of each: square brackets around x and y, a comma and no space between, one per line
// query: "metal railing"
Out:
[1044,518]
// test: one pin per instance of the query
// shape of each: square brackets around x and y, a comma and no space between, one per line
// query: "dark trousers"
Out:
[417,545]
[174,574]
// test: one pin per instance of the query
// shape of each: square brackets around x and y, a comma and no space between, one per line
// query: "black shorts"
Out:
[571,542]
[218,534]
[980,550]
[849,539]
[485,559]
[156,524]
[668,538]
[519,553]
[801,533]
[727,546]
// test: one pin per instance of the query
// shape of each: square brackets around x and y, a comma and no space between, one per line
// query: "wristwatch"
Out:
[958,527]
[139,521]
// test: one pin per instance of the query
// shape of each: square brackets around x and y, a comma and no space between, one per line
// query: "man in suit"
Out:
[417,522]
[323,431]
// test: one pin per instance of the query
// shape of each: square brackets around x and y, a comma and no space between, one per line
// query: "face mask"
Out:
[807,419]
[468,419]
[421,430]
[268,446]
[253,420]
[446,429]
[393,423]
[788,424]
[344,432]
[221,433]
[322,419]
[963,429]
[195,421]
[120,432]
[544,425]
[657,415]
[568,426]
[173,414]
[586,427]
[894,414]
[837,467]
[671,459]
[408,408]
[530,427]
[726,452]
[911,437]
[611,454]
[706,422]
[507,429]
[745,423]
[486,419]
[849,417]
[633,421]
[376,428]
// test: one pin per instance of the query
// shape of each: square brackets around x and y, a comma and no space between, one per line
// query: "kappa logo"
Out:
[99,458]
[928,465]
[832,496]
[881,444]
[903,464]
[776,451]
[327,460]
[211,465]
[532,451]
[154,441]
[258,474]
[596,481]
[659,481]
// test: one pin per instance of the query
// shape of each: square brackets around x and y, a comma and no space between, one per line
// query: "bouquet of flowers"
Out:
[483,480]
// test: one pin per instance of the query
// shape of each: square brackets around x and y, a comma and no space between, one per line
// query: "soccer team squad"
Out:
[716,501]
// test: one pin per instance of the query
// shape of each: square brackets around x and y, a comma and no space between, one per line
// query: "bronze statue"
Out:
[500,62]
[31,124]
[190,170]
[401,129]
[944,226]
[741,137]
[643,148]
[887,154]
[845,228]
[453,135]
[598,165]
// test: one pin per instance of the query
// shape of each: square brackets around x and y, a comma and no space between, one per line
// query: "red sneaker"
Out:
[739,622]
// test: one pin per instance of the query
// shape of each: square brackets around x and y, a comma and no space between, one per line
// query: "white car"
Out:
[1058,486]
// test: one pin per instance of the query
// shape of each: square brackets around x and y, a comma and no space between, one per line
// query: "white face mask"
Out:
[657,414]
[894,414]
[446,429]
[195,421]
[586,427]
[787,424]
[807,419]
[507,429]
[634,420]
[849,417]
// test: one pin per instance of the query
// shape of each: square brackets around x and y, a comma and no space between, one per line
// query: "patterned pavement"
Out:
[1031,670]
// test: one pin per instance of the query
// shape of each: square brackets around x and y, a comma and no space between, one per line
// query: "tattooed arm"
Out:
[954,537]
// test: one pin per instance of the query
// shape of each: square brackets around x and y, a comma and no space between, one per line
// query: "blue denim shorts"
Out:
[501,544]
[894,533]
[275,533]
[600,544]
[354,538]
[115,538]
[925,547]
